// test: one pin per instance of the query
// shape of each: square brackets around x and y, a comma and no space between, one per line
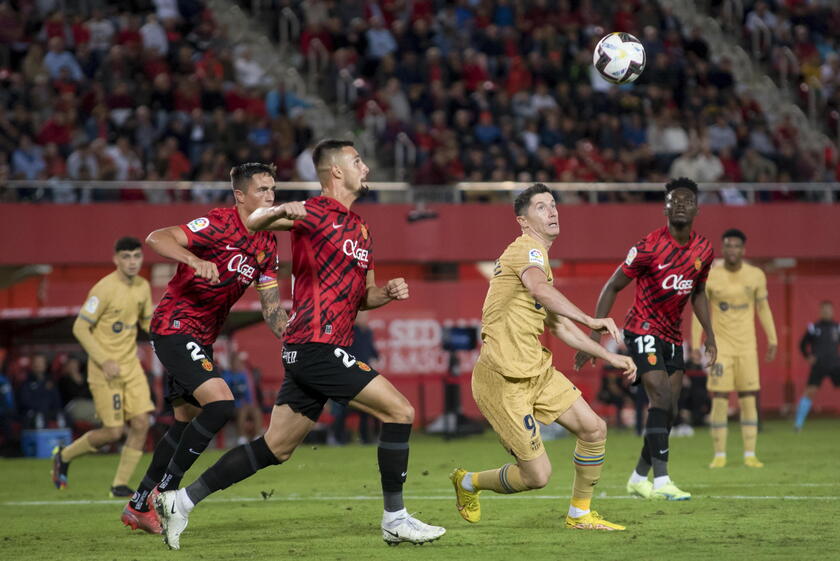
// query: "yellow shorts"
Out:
[734,373]
[122,398]
[514,405]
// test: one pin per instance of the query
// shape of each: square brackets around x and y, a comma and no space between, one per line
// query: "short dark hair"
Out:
[681,183]
[735,233]
[127,243]
[241,175]
[523,200]
[325,147]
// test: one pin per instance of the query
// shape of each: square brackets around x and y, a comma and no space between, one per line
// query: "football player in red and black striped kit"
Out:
[670,266]
[218,259]
[332,266]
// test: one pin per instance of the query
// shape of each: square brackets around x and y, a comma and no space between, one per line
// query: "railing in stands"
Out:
[398,191]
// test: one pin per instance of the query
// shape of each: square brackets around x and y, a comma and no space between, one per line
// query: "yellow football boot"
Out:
[466,501]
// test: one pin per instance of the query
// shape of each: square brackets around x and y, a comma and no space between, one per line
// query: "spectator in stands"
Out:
[38,399]
[8,413]
[58,58]
[28,160]
[249,421]
[75,393]
[755,167]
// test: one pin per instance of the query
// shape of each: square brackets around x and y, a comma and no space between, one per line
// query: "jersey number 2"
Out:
[347,359]
[645,344]
[195,351]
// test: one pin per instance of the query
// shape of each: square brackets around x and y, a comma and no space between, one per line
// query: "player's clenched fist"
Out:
[291,211]
[205,270]
[397,289]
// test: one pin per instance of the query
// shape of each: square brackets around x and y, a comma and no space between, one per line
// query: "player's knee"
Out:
[139,424]
[597,431]
[112,434]
[400,412]
[537,479]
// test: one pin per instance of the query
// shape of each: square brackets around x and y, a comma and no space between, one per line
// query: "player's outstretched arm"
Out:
[280,217]
[571,334]
[535,280]
[272,311]
[377,296]
[616,283]
[172,243]
[700,303]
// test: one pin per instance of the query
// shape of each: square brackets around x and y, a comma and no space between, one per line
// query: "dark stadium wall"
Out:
[63,234]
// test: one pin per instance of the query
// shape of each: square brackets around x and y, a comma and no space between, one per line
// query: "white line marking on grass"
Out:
[524,496]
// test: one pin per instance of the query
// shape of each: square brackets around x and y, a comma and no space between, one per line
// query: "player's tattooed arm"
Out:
[280,217]
[700,303]
[272,310]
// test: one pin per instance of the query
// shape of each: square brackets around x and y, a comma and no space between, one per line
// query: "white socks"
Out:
[183,501]
[636,478]
[467,483]
[661,481]
[389,518]
[576,512]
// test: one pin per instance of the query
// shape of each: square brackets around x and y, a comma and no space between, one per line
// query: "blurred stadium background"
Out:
[120,117]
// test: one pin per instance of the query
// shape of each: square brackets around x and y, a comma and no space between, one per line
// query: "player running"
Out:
[736,292]
[514,382]
[333,268]
[106,327]
[218,259]
[670,266]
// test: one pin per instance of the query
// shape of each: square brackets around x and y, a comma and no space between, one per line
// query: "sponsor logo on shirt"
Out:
[117,327]
[678,283]
[351,249]
[631,255]
[198,224]
[91,305]
[237,264]
[536,256]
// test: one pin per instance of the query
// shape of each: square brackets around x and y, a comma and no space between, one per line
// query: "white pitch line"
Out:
[523,496]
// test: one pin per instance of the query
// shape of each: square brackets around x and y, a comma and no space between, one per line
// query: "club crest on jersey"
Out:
[364,230]
[651,359]
[198,224]
[260,257]
[363,366]
[697,264]
[678,283]
[207,365]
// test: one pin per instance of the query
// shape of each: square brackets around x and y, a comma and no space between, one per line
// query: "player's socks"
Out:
[802,411]
[237,464]
[749,423]
[661,481]
[160,459]
[656,439]
[717,423]
[506,479]
[636,477]
[392,455]
[201,430]
[78,448]
[588,460]
[467,482]
[183,501]
[128,461]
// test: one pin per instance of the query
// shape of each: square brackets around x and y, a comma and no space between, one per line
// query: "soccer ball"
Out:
[619,58]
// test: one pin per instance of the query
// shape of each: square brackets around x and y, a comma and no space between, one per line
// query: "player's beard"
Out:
[363,190]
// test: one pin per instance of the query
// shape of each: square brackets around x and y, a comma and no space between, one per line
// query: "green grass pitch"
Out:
[326,506]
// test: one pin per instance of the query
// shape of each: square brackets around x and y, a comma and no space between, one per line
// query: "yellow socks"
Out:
[749,424]
[589,460]
[717,419]
[128,461]
[506,479]
[78,448]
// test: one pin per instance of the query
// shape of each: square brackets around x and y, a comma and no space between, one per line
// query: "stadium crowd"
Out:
[486,90]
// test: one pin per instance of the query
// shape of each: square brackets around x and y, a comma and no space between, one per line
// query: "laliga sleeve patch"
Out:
[536,256]
[631,255]
[198,224]
[91,305]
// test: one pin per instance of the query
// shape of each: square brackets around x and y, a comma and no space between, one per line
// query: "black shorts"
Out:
[316,372]
[188,364]
[649,352]
[821,371]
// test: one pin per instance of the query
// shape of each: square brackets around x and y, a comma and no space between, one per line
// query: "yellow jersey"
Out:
[511,321]
[734,298]
[114,309]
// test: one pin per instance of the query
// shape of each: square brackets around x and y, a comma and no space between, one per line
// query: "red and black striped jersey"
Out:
[191,304]
[666,274]
[332,251]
